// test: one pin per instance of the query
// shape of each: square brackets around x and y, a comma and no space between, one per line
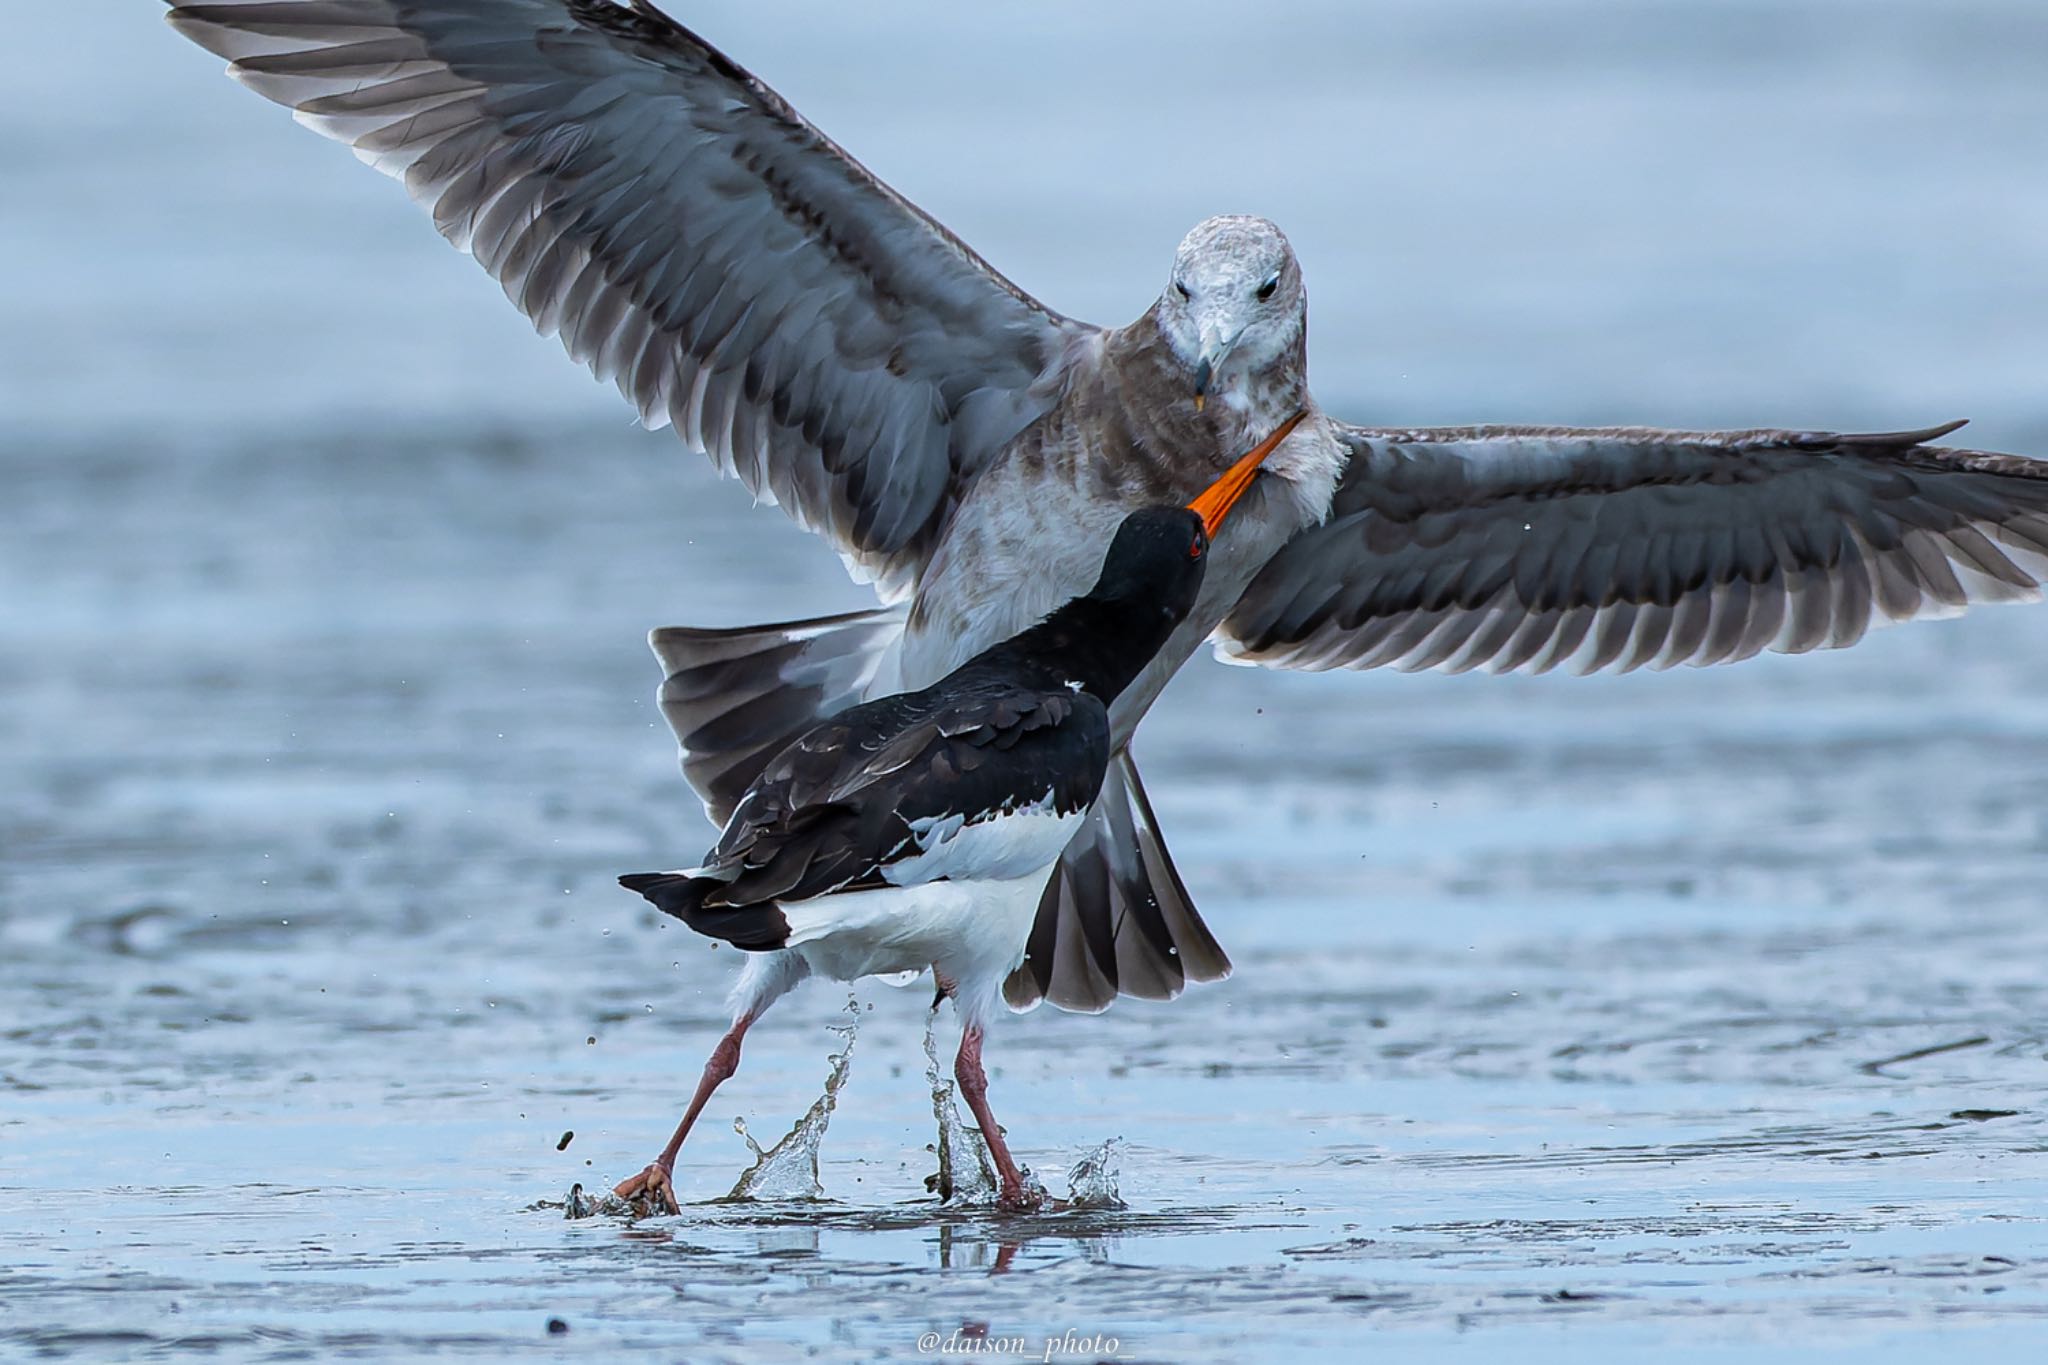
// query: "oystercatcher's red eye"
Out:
[1195,548]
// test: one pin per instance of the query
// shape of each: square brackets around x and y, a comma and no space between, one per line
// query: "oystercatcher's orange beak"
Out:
[1219,497]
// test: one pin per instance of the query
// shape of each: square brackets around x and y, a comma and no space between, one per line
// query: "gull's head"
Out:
[1235,303]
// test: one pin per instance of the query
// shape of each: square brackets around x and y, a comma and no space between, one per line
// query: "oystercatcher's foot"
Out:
[653,1189]
[1022,1199]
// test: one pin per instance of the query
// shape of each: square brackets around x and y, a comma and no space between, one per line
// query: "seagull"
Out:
[970,451]
[915,831]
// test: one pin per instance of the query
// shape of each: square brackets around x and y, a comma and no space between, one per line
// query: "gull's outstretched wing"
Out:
[1540,547]
[687,234]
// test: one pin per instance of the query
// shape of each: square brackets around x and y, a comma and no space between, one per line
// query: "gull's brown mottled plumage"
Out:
[691,237]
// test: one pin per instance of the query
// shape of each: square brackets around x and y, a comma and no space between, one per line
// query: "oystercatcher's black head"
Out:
[1159,552]
[1155,563]
[1101,640]
[1150,579]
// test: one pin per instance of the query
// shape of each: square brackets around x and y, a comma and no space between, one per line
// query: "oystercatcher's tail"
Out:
[758,928]
[1115,918]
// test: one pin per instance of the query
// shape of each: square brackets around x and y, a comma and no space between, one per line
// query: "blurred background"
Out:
[326,718]
[1681,210]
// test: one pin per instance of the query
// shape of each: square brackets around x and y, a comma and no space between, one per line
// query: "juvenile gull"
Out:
[970,451]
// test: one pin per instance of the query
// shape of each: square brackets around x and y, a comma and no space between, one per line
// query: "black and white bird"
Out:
[915,831]
[691,237]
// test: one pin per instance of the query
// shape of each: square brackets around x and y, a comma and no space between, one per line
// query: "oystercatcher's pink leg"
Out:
[974,1085]
[656,1182]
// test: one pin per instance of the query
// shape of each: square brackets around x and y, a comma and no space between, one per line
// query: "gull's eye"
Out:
[1181,290]
[1266,289]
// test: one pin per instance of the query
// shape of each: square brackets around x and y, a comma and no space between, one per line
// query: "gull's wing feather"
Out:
[688,235]
[1532,548]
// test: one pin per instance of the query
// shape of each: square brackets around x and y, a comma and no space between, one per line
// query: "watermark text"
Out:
[969,1341]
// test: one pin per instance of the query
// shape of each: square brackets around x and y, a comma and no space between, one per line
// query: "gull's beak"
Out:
[1215,346]
[1219,497]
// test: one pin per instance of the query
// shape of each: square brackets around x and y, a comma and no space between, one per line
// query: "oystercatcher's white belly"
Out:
[972,932]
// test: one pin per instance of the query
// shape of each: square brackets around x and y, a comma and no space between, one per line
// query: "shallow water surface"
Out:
[1692,1009]
[1687,1016]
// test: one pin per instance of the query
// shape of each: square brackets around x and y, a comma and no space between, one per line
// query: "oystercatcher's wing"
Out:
[687,234]
[983,784]
[1538,547]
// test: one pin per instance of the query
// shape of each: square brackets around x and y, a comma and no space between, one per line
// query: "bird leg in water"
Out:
[656,1184]
[1015,1198]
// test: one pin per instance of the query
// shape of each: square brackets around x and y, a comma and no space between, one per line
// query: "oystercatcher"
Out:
[691,237]
[915,831]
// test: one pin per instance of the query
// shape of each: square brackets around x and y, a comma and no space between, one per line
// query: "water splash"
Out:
[789,1169]
[582,1203]
[965,1174]
[1092,1182]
